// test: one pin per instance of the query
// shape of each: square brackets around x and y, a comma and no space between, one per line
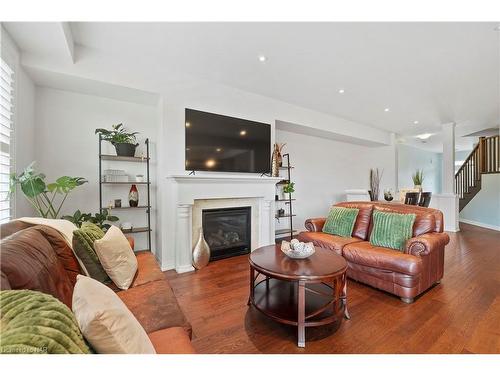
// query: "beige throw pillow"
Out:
[117,257]
[105,321]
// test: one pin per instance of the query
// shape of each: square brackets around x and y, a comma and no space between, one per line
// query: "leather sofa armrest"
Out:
[315,225]
[424,244]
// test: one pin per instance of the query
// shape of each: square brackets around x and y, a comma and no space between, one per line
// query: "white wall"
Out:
[324,169]
[484,208]
[25,143]
[352,169]
[67,145]
[410,159]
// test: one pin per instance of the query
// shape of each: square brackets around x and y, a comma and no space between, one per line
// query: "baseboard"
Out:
[478,224]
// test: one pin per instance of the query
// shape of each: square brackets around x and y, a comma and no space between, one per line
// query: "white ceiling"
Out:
[432,73]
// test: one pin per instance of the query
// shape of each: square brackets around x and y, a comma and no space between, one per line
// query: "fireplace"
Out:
[227,231]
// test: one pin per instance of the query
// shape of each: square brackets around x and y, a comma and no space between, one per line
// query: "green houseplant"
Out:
[418,178]
[288,189]
[124,142]
[47,199]
[78,218]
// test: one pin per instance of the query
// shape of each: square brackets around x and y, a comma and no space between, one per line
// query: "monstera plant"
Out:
[46,198]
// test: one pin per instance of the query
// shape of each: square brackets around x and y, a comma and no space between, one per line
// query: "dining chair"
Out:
[425,199]
[411,198]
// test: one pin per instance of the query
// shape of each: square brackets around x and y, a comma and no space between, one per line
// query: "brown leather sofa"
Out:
[405,274]
[38,258]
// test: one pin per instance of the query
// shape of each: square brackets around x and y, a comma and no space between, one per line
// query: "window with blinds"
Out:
[6,128]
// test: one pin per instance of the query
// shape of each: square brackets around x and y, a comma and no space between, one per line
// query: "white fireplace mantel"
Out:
[188,188]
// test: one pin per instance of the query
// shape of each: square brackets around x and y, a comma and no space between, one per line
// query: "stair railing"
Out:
[469,174]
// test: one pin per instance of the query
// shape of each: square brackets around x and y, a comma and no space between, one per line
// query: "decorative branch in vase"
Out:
[375,178]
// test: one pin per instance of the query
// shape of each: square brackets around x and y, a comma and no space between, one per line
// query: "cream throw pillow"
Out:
[117,257]
[105,321]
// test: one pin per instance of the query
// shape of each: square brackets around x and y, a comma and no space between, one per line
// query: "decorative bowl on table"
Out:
[296,249]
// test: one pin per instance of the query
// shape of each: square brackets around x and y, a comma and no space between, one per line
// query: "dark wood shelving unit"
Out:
[125,183]
[137,230]
[288,232]
[147,183]
[124,158]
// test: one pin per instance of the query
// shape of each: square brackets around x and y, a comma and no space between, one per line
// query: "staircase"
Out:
[484,159]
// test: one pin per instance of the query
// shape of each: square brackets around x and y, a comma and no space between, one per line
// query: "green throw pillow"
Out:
[37,323]
[83,246]
[391,229]
[341,221]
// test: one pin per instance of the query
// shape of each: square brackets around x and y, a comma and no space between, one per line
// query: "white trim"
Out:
[478,224]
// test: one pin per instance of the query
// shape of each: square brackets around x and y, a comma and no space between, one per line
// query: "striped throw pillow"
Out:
[37,323]
[340,221]
[391,229]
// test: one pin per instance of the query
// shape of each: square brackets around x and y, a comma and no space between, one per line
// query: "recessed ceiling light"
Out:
[387,109]
[243,132]
[188,124]
[262,58]
[218,149]
[424,136]
[341,91]
[415,122]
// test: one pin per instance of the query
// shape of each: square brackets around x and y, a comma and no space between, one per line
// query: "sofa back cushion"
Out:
[362,223]
[29,261]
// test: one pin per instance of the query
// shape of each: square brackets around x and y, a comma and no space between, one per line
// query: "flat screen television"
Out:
[226,144]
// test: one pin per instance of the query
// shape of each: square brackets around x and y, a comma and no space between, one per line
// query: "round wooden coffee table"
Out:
[300,292]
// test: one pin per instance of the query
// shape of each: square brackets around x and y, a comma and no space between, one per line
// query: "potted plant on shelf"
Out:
[124,142]
[418,178]
[78,218]
[42,196]
[288,189]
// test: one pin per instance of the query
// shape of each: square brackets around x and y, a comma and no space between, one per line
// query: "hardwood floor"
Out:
[460,315]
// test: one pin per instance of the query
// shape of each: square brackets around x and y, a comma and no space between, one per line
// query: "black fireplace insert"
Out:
[227,231]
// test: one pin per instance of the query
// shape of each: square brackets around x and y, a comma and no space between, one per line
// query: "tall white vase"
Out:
[201,252]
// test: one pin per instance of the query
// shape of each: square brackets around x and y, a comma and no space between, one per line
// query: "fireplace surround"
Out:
[189,195]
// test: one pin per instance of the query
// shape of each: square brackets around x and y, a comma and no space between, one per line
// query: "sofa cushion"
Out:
[155,306]
[340,221]
[34,322]
[83,246]
[147,269]
[391,229]
[362,224]
[382,258]
[173,340]
[328,241]
[28,261]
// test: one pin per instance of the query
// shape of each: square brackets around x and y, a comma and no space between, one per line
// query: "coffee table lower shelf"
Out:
[279,300]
